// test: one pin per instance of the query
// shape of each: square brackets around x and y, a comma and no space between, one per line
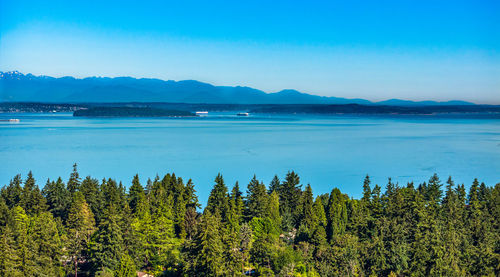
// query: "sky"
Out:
[376,50]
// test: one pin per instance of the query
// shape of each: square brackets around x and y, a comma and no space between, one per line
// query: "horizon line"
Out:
[234,86]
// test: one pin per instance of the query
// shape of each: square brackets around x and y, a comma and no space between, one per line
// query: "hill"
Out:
[19,87]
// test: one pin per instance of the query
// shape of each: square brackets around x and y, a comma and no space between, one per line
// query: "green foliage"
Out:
[101,229]
[218,201]
[58,198]
[106,246]
[74,180]
[126,268]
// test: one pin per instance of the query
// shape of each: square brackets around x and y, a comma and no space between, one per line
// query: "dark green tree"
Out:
[80,227]
[106,245]
[58,198]
[257,199]
[74,180]
[218,201]
[136,193]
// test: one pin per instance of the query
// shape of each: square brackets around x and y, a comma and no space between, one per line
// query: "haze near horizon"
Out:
[415,51]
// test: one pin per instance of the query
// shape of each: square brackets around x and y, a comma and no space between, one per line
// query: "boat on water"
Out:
[242,114]
[201,113]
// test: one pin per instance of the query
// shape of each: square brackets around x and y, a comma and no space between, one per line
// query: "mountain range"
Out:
[19,87]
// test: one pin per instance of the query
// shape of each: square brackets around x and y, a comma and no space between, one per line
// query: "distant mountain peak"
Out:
[16,86]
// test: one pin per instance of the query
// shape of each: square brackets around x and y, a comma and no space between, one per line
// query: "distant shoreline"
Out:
[156,109]
[130,112]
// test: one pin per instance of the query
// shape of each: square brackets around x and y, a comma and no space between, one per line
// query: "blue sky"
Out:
[377,50]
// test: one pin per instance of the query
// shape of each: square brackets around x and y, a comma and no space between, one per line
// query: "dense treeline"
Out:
[106,109]
[99,228]
[130,112]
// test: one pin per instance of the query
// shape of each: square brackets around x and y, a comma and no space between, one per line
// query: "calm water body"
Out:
[326,151]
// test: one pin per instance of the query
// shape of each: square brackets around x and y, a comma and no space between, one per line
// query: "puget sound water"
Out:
[326,151]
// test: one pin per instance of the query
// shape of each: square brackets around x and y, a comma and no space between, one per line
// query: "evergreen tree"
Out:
[401,232]
[308,218]
[257,199]
[13,192]
[218,201]
[32,199]
[164,245]
[275,185]
[190,222]
[58,198]
[10,262]
[74,180]
[206,257]
[236,207]
[142,230]
[47,245]
[290,195]
[106,246]
[90,189]
[23,241]
[367,192]
[274,210]
[319,211]
[136,193]
[126,268]
[81,226]
[265,237]
[337,214]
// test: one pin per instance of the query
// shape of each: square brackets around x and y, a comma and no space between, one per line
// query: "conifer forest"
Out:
[88,227]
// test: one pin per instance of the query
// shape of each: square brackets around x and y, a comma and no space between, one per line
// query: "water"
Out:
[326,151]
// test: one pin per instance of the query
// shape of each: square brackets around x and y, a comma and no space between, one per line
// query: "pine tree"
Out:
[207,251]
[23,241]
[274,210]
[74,180]
[142,230]
[308,217]
[479,235]
[136,193]
[257,199]
[290,196]
[90,189]
[10,262]
[58,198]
[422,252]
[218,201]
[4,212]
[81,226]
[126,268]
[265,237]
[190,195]
[452,228]
[319,211]
[13,192]
[106,245]
[32,199]
[163,241]
[337,214]
[367,192]
[47,244]
[190,222]
[236,207]
[275,185]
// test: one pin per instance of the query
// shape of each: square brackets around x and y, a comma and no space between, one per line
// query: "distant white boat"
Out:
[14,120]
[242,114]
[202,113]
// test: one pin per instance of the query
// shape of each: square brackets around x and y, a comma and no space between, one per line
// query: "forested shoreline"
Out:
[90,227]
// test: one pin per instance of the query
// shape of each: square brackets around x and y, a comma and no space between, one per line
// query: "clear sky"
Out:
[418,50]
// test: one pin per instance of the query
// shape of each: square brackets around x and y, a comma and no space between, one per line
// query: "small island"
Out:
[130,112]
